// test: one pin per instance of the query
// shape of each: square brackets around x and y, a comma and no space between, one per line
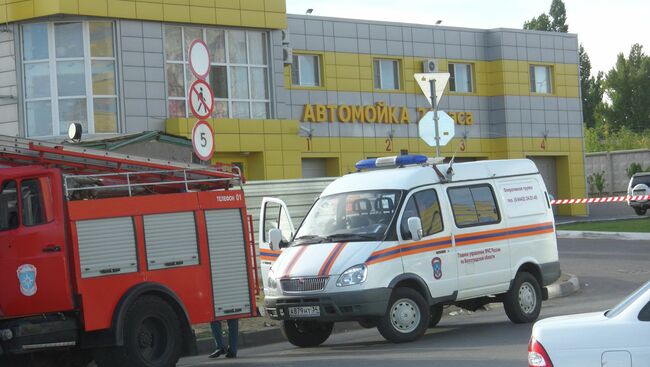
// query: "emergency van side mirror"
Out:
[415,227]
[275,238]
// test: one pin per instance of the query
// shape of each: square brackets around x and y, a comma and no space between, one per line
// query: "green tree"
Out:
[628,88]
[556,22]
[592,90]
[558,13]
[541,23]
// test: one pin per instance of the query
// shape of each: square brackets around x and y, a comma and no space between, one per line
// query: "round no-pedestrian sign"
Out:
[201,99]
[199,59]
[203,140]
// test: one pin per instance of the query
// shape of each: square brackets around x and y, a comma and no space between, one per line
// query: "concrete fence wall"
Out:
[614,165]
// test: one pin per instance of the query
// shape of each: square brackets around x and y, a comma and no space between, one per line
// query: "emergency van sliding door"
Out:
[481,240]
[227,245]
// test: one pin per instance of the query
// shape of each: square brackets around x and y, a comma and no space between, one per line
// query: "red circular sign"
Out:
[201,99]
[199,57]
[203,140]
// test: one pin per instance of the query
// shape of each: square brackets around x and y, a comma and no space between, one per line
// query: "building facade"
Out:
[295,96]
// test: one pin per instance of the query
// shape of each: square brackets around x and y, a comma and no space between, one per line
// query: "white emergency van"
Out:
[389,245]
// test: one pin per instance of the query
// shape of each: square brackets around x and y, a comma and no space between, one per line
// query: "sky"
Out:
[604,27]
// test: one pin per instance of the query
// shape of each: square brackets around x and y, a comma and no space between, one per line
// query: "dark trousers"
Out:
[233,333]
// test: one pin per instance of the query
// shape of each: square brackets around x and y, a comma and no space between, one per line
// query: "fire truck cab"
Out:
[113,258]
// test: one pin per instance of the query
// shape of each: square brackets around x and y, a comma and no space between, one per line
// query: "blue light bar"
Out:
[394,161]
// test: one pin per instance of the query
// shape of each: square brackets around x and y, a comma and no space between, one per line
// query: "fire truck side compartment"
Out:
[228,262]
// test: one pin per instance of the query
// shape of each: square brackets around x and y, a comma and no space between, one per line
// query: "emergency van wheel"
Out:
[407,316]
[640,211]
[523,302]
[436,315]
[305,334]
[152,337]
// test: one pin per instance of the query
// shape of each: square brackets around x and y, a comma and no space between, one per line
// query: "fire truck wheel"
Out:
[306,334]
[152,335]
[436,315]
[640,211]
[523,301]
[407,316]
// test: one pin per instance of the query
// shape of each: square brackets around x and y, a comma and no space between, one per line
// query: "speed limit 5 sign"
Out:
[203,140]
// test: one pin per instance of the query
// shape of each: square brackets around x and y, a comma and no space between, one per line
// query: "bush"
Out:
[633,168]
[603,138]
[596,182]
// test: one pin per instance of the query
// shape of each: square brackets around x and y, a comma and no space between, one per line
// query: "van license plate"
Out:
[304,311]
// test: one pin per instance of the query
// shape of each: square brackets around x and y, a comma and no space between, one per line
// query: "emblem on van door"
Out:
[437,267]
[27,278]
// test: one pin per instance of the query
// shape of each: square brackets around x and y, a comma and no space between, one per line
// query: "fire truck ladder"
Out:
[113,170]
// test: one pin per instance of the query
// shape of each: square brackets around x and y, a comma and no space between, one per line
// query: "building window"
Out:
[305,70]
[239,75]
[69,73]
[540,79]
[473,206]
[386,74]
[460,78]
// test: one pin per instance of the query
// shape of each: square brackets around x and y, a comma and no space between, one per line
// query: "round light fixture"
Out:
[74,131]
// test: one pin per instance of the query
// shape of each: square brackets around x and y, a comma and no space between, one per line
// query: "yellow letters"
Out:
[308,113]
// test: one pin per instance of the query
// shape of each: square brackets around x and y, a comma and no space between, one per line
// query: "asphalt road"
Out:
[610,211]
[607,270]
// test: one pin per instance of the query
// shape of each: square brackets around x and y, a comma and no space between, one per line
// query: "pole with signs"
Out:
[201,100]
[433,86]
[434,105]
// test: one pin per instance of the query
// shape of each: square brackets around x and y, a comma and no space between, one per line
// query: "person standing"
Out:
[217,334]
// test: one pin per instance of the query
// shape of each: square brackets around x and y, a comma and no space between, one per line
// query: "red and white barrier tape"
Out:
[612,199]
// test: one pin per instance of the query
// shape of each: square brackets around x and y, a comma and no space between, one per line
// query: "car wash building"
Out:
[294,96]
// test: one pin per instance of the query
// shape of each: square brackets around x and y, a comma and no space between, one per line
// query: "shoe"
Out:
[230,354]
[217,353]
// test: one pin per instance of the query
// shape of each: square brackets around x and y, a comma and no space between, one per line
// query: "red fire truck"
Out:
[114,257]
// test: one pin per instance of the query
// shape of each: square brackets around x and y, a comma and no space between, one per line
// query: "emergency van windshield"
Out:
[351,216]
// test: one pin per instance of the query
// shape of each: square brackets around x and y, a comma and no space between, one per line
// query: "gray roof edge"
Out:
[419,25]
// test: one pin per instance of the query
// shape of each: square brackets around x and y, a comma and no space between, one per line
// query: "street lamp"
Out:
[438,21]
[309,11]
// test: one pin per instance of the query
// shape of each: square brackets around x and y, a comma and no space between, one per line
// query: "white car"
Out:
[639,186]
[619,337]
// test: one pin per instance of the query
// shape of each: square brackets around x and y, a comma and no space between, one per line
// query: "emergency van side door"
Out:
[273,214]
[432,258]
[481,240]
[34,266]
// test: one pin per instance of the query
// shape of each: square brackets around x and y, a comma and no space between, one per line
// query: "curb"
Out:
[561,288]
[593,235]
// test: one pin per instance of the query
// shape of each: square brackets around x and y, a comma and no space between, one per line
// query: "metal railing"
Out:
[186,179]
